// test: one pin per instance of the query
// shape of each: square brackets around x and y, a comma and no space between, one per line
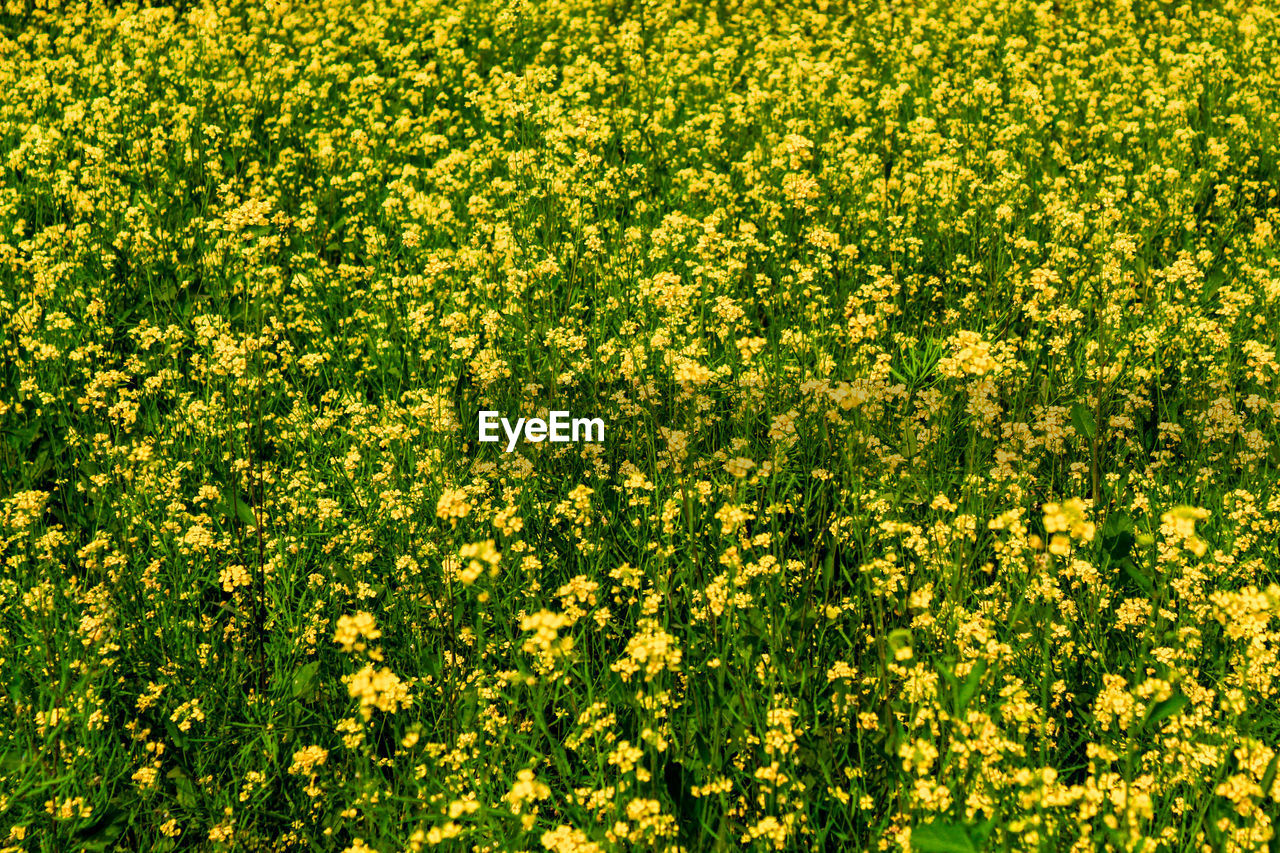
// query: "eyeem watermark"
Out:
[560,428]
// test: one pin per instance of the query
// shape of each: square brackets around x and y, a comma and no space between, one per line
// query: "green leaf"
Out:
[39,467]
[107,827]
[1211,827]
[186,791]
[238,509]
[970,685]
[982,831]
[1117,537]
[344,574]
[940,837]
[1131,571]
[176,734]
[245,513]
[898,639]
[947,671]
[1162,711]
[1082,420]
[304,679]
[13,762]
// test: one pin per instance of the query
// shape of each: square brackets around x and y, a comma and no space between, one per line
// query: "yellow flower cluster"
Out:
[566,839]
[353,630]
[1179,525]
[546,643]
[306,759]
[452,506]
[480,557]
[971,355]
[524,795]
[379,689]
[1064,522]
[652,651]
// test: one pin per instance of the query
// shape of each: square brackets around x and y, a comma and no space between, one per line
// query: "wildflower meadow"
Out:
[625,425]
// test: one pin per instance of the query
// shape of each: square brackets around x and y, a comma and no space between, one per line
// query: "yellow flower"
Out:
[304,760]
[565,839]
[145,776]
[691,373]
[525,790]
[352,628]
[480,557]
[1180,523]
[381,689]
[1066,521]
[453,505]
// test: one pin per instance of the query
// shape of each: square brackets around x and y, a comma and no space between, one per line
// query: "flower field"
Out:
[937,506]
